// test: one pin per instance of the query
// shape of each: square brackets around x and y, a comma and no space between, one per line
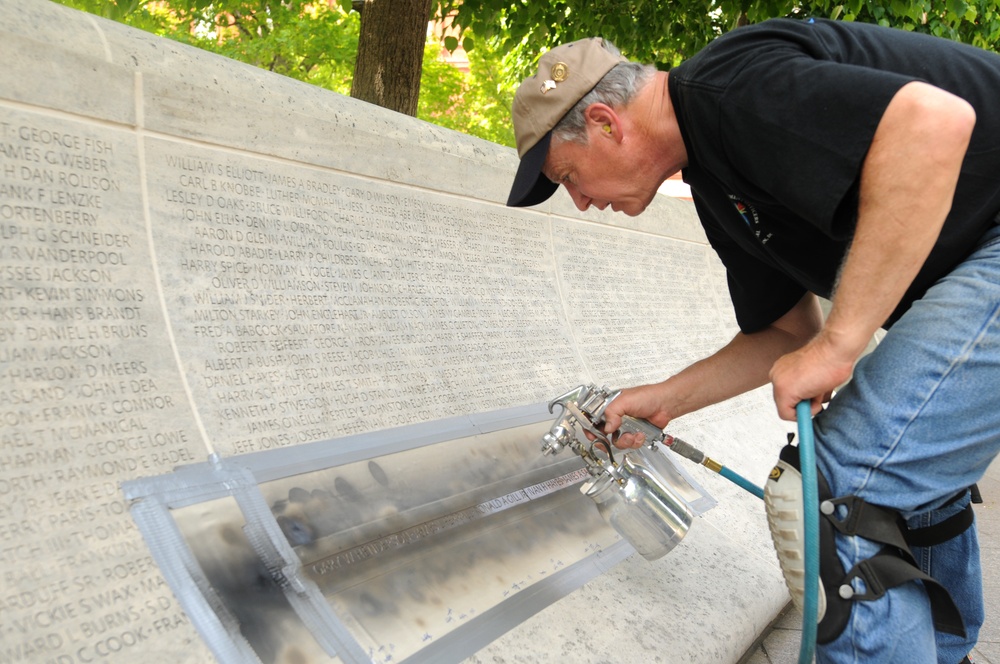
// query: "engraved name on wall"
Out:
[317,304]
[88,397]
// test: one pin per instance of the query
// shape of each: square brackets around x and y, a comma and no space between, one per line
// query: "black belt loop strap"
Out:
[887,570]
[977,497]
[864,519]
[886,526]
[942,532]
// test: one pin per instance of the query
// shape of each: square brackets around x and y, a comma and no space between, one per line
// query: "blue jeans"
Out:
[918,423]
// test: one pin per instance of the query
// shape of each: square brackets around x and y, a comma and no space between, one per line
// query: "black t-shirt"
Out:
[777,119]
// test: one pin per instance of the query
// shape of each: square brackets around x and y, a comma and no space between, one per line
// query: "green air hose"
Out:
[810,508]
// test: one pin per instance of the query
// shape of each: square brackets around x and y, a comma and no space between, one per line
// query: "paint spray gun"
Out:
[638,492]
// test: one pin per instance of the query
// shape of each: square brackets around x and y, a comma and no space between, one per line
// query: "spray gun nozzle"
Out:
[556,439]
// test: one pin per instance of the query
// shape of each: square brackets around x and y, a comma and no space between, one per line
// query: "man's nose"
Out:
[582,202]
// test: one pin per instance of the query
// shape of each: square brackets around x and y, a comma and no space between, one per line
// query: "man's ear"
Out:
[604,120]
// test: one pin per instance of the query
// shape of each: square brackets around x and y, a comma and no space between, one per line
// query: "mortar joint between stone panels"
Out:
[563,301]
[140,107]
[140,143]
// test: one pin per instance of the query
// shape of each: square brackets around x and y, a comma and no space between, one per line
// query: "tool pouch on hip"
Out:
[892,566]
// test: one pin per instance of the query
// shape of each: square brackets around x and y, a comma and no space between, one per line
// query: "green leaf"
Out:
[957,7]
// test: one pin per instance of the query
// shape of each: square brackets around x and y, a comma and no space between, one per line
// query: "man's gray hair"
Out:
[616,89]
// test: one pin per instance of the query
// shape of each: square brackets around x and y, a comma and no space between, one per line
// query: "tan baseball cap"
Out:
[565,75]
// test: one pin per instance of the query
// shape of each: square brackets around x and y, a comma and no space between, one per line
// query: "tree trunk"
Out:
[391,53]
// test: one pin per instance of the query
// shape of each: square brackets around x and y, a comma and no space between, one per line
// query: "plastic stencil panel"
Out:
[423,554]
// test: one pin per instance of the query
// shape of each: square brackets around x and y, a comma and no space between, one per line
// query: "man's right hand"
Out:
[645,402]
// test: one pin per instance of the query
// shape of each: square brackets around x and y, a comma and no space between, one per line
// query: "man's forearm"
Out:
[740,366]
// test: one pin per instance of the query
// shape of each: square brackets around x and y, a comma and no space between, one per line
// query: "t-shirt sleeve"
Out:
[760,293]
[798,130]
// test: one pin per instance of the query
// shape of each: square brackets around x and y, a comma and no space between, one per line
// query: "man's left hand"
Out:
[811,373]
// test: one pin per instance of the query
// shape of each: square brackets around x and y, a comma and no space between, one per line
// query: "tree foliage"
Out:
[317,40]
[665,32]
[477,103]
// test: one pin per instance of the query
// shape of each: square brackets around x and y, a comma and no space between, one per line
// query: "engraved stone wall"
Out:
[197,258]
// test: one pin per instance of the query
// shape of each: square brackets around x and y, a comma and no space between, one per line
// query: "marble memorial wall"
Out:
[174,286]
